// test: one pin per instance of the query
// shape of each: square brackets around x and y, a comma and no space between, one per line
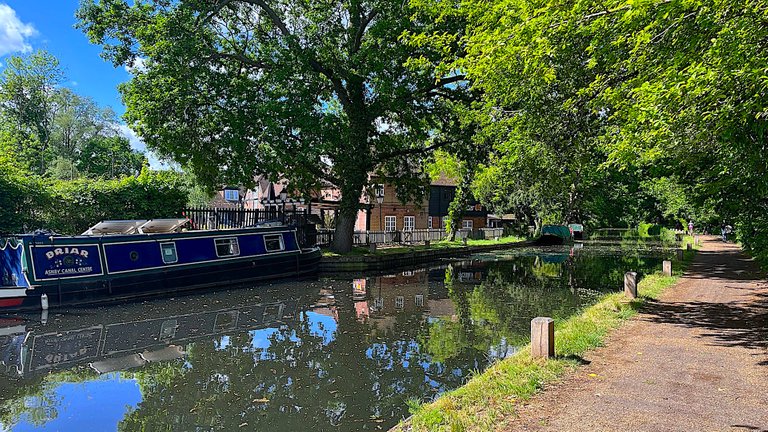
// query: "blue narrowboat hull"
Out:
[88,269]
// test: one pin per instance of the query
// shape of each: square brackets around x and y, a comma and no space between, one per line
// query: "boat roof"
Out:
[136,226]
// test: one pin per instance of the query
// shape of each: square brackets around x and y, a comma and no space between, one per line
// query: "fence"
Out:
[490,233]
[226,218]
[325,236]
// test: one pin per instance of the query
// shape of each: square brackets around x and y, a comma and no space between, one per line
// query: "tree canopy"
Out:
[310,91]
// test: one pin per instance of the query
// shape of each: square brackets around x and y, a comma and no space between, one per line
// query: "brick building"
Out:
[390,214]
[441,194]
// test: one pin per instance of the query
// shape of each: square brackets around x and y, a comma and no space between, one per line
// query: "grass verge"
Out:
[364,250]
[490,397]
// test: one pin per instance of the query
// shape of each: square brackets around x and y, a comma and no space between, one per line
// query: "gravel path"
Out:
[696,360]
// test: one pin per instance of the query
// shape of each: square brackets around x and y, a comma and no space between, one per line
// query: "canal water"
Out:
[341,353]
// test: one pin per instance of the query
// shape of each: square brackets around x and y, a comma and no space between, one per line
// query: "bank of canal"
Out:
[328,354]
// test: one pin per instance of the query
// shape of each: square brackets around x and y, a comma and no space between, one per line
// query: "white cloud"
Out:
[13,32]
[138,144]
[139,65]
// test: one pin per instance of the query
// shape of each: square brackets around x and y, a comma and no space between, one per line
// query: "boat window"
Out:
[226,247]
[274,242]
[169,252]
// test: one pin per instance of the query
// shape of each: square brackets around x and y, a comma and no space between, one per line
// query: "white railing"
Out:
[325,236]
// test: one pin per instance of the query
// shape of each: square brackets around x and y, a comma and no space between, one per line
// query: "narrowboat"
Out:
[554,235]
[122,259]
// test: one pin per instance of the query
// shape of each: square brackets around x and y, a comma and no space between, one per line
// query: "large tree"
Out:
[27,93]
[669,95]
[310,90]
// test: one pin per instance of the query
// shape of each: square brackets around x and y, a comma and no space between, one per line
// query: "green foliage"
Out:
[81,203]
[20,197]
[311,91]
[70,207]
[56,132]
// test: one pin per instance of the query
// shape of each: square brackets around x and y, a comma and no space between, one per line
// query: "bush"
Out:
[29,202]
[22,196]
[79,204]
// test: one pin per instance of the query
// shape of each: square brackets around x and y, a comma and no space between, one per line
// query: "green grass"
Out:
[490,398]
[364,251]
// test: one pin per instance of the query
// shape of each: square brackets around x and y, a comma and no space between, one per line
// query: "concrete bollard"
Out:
[679,254]
[44,316]
[44,301]
[630,284]
[426,243]
[372,248]
[543,337]
[696,240]
[666,268]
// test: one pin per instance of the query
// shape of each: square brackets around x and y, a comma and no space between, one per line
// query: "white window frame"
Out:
[467,224]
[163,254]
[279,237]
[399,302]
[429,222]
[231,195]
[388,225]
[419,300]
[234,241]
[409,223]
[378,303]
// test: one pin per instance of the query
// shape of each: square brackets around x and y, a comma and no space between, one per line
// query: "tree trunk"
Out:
[351,190]
[345,228]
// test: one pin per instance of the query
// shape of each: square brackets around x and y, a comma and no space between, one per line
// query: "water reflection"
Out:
[331,354]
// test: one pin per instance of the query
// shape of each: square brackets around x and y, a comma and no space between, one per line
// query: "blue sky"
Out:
[28,25]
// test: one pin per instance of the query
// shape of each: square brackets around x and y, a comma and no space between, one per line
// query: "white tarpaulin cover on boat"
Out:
[116,227]
[162,225]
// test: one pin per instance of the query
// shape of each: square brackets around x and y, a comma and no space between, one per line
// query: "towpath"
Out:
[696,360]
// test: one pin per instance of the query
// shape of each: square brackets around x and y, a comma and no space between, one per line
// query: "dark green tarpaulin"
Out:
[561,231]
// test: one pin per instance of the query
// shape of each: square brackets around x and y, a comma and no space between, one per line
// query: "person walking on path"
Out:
[690,227]
[695,360]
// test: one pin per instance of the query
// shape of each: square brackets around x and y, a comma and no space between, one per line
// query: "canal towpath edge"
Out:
[696,359]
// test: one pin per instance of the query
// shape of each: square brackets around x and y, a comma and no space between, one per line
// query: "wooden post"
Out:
[543,337]
[679,254]
[666,267]
[630,284]
[689,246]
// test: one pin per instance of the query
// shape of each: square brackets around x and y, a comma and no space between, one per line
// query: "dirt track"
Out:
[696,360]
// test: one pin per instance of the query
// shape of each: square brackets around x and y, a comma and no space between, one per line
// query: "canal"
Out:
[336,353]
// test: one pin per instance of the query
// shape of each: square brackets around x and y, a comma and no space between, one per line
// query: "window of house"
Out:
[226,247]
[378,303]
[399,302]
[231,195]
[429,222]
[466,224]
[390,223]
[273,243]
[419,300]
[168,251]
[409,223]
